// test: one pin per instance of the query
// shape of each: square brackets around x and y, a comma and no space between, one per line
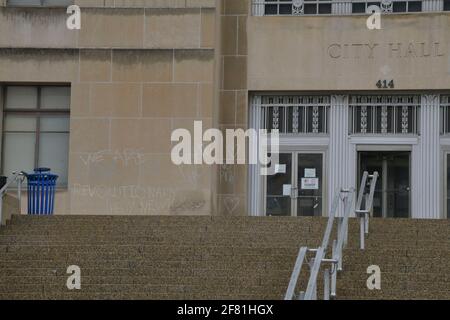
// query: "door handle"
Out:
[316,203]
[294,194]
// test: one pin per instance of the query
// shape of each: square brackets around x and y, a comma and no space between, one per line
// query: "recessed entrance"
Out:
[297,188]
[392,193]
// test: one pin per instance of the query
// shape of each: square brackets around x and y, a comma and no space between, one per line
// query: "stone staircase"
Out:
[414,257]
[123,257]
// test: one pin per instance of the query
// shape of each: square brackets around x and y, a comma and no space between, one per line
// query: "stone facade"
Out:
[139,69]
[233,105]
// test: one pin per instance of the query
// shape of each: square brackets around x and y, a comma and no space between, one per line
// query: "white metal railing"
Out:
[338,245]
[344,7]
[364,214]
[15,177]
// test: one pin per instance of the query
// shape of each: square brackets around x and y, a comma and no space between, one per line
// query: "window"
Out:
[39,3]
[445,114]
[36,129]
[446,5]
[281,7]
[389,6]
[295,114]
[344,7]
[385,114]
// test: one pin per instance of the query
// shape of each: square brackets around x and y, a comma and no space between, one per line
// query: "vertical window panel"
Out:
[54,124]
[21,97]
[53,153]
[445,114]
[18,152]
[20,123]
[55,98]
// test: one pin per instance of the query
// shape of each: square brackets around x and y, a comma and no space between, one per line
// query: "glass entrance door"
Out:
[278,188]
[297,187]
[309,184]
[392,193]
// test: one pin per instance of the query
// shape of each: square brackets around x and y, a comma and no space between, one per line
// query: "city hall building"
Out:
[98,105]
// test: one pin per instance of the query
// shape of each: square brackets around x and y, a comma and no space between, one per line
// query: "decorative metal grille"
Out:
[295,114]
[384,114]
[445,114]
[330,7]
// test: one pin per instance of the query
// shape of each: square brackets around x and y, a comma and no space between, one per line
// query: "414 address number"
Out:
[385,84]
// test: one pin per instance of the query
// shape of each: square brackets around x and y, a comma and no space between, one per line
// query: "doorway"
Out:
[297,187]
[392,198]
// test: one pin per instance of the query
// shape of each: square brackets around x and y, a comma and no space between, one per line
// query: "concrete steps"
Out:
[124,257]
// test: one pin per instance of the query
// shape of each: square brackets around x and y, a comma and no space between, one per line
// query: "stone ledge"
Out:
[123,4]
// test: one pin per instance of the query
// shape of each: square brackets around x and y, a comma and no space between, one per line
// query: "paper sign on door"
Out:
[310,173]
[280,168]
[287,189]
[310,183]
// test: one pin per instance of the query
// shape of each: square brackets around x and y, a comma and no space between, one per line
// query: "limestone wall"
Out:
[233,101]
[136,74]
[341,53]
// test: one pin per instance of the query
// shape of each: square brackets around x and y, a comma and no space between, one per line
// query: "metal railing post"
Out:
[19,191]
[334,272]
[311,290]
[340,226]
[367,222]
[326,284]
[362,189]
[344,225]
[344,229]
[362,233]
[367,215]
[364,215]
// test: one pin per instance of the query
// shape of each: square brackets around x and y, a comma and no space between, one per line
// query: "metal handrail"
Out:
[364,215]
[18,177]
[330,274]
[336,261]
[320,253]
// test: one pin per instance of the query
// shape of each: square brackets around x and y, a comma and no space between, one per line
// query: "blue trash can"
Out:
[41,191]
